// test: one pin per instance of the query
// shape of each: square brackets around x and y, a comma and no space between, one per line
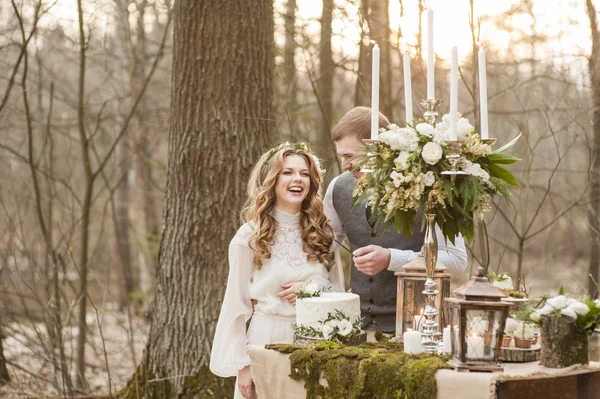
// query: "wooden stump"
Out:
[563,343]
[519,355]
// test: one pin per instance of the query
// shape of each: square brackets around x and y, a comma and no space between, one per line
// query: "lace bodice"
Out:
[288,264]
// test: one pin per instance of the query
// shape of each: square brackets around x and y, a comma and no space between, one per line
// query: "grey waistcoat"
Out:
[378,292]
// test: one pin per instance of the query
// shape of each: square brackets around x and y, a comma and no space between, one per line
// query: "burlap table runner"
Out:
[270,371]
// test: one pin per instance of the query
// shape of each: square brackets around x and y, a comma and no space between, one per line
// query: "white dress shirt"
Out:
[453,256]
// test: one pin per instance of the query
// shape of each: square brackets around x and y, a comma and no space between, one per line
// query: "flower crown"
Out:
[298,146]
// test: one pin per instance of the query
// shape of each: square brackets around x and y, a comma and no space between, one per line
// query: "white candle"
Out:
[453,93]
[375,94]
[447,346]
[475,347]
[407,89]
[412,341]
[483,95]
[430,57]
[418,321]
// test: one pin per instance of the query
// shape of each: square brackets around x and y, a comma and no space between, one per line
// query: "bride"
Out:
[284,242]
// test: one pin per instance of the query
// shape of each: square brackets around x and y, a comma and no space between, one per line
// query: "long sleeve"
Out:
[454,257]
[229,353]
[336,274]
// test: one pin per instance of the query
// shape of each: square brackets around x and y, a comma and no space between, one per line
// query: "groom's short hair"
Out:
[357,122]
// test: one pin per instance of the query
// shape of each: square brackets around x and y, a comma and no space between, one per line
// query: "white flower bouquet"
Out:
[585,313]
[406,177]
[309,290]
[335,327]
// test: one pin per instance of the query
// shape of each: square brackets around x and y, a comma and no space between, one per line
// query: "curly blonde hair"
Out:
[317,235]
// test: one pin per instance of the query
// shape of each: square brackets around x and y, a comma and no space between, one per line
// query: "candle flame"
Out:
[421,311]
[474,335]
[373,41]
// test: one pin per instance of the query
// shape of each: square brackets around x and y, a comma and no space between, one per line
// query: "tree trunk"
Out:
[594,207]
[289,66]
[376,15]
[123,155]
[379,26]
[85,208]
[150,223]
[219,124]
[325,93]
[4,376]
[563,343]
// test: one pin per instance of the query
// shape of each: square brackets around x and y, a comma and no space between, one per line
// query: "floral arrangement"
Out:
[335,327]
[406,177]
[309,290]
[585,313]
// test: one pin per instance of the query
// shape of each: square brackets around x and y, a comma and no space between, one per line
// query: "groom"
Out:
[375,258]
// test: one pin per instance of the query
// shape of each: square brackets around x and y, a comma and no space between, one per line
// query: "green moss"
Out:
[202,385]
[374,370]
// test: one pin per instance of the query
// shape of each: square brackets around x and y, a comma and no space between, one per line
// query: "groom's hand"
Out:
[371,259]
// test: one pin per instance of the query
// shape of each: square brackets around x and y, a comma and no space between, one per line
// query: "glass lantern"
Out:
[410,301]
[477,320]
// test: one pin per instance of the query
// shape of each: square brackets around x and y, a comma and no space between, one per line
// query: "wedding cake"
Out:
[312,311]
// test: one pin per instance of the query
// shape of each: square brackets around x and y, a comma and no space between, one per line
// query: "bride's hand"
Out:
[288,292]
[245,383]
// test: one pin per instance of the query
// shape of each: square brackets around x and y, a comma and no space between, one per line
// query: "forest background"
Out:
[91,135]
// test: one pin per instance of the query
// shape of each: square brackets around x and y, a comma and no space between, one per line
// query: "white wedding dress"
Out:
[272,318]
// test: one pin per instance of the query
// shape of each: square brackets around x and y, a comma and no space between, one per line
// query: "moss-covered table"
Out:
[271,373]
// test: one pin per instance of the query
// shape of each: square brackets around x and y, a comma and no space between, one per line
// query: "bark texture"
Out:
[563,343]
[325,93]
[221,104]
[376,15]
[594,207]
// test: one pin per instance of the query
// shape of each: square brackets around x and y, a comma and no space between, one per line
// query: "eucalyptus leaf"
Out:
[507,145]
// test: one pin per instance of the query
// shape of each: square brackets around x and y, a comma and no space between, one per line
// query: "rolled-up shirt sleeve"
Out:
[453,256]
[229,353]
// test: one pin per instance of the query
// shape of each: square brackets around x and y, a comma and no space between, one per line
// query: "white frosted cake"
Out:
[310,312]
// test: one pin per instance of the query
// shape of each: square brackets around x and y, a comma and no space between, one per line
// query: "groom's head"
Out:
[349,133]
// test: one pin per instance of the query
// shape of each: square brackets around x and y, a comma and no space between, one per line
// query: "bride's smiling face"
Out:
[293,184]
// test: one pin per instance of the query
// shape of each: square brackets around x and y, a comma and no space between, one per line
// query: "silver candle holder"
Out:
[454,159]
[431,328]
[430,115]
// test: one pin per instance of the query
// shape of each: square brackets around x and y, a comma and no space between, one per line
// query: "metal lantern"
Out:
[410,301]
[477,320]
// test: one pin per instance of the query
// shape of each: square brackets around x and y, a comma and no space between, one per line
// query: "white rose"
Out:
[597,302]
[579,307]
[444,124]
[327,331]
[431,153]
[400,160]
[463,127]
[397,178]
[569,312]
[558,302]
[547,309]
[425,129]
[571,301]
[311,288]
[440,137]
[535,316]
[429,179]
[333,323]
[345,327]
